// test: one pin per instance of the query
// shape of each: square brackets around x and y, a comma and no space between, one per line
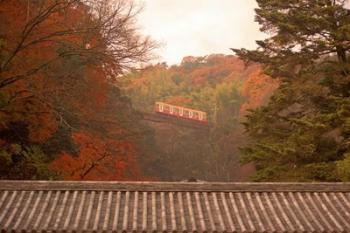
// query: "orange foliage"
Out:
[179,100]
[98,159]
[213,68]
[74,81]
[50,43]
[257,89]
[217,68]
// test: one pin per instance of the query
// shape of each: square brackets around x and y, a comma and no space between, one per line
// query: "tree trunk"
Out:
[341,53]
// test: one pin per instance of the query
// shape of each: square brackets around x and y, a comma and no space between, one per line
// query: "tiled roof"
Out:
[174,207]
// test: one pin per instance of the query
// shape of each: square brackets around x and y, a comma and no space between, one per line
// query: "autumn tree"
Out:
[44,34]
[303,133]
[55,57]
[102,30]
[98,160]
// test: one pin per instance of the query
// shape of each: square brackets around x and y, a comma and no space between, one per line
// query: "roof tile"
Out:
[174,207]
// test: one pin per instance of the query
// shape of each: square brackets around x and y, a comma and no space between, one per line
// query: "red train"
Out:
[181,112]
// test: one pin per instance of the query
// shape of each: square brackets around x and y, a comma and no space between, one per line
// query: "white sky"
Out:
[199,27]
[347,4]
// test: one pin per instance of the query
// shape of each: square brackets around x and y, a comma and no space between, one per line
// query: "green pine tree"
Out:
[303,133]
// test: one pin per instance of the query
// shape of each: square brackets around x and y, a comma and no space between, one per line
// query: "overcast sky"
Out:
[199,27]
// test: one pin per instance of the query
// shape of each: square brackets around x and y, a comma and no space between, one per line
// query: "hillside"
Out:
[221,85]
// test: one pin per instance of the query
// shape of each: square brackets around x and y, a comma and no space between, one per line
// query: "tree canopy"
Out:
[303,133]
[301,34]
[59,62]
[218,84]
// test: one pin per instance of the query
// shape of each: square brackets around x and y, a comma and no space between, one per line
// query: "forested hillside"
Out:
[220,85]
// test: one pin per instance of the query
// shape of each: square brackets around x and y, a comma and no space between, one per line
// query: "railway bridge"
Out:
[168,119]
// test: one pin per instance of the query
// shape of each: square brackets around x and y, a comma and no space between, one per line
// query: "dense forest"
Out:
[62,116]
[222,86]
[76,78]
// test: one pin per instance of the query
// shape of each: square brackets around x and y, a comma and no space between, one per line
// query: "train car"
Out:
[181,112]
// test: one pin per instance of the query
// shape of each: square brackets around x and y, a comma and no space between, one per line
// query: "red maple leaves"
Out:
[97,159]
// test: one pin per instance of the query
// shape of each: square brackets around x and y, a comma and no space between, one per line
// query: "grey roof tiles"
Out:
[32,206]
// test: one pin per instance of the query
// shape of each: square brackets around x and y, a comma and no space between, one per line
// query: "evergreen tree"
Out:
[303,133]
[301,33]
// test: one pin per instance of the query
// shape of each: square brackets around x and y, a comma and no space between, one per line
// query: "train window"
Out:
[186,113]
[176,111]
[166,108]
[200,116]
[181,113]
[195,115]
[159,107]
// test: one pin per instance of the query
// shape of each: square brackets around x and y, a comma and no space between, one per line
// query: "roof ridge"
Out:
[177,186]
